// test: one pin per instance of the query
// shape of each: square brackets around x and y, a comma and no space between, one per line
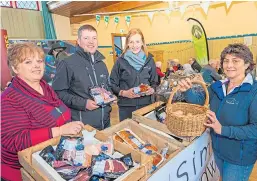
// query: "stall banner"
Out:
[5,72]
[194,163]
[50,68]
[199,42]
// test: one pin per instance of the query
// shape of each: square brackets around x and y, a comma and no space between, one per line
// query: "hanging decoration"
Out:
[116,20]
[205,6]
[106,20]
[97,18]
[167,12]
[182,10]
[128,20]
[228,3]
[150,15]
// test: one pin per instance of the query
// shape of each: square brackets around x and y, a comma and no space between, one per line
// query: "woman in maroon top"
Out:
[31,111]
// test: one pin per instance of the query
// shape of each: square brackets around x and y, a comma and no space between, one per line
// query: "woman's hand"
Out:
[212,122]
[129,94]
[150,91]
[185,84]
[71,128]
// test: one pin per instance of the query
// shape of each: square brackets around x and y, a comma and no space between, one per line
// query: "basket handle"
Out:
[193,82]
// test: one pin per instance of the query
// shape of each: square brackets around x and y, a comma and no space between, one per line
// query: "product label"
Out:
[79,158]
[70,145]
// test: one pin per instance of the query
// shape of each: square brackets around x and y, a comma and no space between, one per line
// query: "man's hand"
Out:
[91,105]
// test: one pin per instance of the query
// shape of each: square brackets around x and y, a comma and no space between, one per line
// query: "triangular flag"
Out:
[228,3]
[167,12]
[106,20]
[116,20]
[128,20]
[205,6]
[150,15]
[182,10]
[97,17]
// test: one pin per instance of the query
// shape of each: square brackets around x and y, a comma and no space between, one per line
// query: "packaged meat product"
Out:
[151,147]
[127,160]
[70,149]
[131,139]
[118,138]
[69,172]
[102,96]
[48,154]
[58,164]
[83,175]
[141,90]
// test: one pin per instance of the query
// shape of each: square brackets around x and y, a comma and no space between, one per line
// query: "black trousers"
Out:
[125,112]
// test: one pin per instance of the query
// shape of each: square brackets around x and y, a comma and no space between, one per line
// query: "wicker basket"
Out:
[193,118]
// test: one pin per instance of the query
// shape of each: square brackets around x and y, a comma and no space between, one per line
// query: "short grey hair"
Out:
[85,27]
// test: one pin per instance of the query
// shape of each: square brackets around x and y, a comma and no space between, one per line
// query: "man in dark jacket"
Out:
[195,65]
[77,74]
[209,72]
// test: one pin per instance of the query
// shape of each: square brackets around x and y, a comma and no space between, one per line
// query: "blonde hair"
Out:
[131,33]
[17,53]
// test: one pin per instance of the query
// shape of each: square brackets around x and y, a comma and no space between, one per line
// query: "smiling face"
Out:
[31,69]
[88,41]
[234,67]
[135,43]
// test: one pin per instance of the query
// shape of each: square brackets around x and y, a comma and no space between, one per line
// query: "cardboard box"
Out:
[139,116]
[30,171]
[147,136]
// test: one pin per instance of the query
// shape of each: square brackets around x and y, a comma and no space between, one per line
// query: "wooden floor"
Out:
[115,120]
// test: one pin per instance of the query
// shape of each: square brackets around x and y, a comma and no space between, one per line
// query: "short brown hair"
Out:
[17,53]
[240,51]
[131,33]
[85,27]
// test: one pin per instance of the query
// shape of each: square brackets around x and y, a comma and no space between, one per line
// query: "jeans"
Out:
[232,172]
[126,111]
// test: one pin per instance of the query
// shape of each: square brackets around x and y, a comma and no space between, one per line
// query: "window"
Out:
[6,3]
[33,5]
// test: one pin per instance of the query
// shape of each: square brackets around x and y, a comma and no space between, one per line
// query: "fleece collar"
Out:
[219,87]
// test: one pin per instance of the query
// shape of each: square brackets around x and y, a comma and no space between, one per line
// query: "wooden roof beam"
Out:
[122,6]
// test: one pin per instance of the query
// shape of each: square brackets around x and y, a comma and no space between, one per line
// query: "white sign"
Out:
[194,163]
[248,40]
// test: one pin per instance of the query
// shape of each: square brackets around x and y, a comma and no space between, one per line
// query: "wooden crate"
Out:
[138,116]
[29,172]
[147,136]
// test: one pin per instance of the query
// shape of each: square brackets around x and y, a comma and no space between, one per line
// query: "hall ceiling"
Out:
[71,8]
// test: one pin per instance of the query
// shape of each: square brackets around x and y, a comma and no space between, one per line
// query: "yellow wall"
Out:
[62,27]
[183,51]
[240,18]
[22,24]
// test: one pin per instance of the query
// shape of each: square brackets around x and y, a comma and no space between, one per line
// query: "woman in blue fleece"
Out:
[233,114]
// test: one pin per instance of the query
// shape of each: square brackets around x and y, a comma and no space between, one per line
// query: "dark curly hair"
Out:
[240,51]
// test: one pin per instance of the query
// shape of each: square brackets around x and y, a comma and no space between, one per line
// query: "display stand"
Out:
[194,163]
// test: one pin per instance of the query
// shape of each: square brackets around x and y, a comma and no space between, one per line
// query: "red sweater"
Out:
[159,72]
[27,119]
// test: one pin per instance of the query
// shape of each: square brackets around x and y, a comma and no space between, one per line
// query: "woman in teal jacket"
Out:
[233,114]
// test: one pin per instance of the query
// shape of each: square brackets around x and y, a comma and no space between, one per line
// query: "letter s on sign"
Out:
[183,174]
